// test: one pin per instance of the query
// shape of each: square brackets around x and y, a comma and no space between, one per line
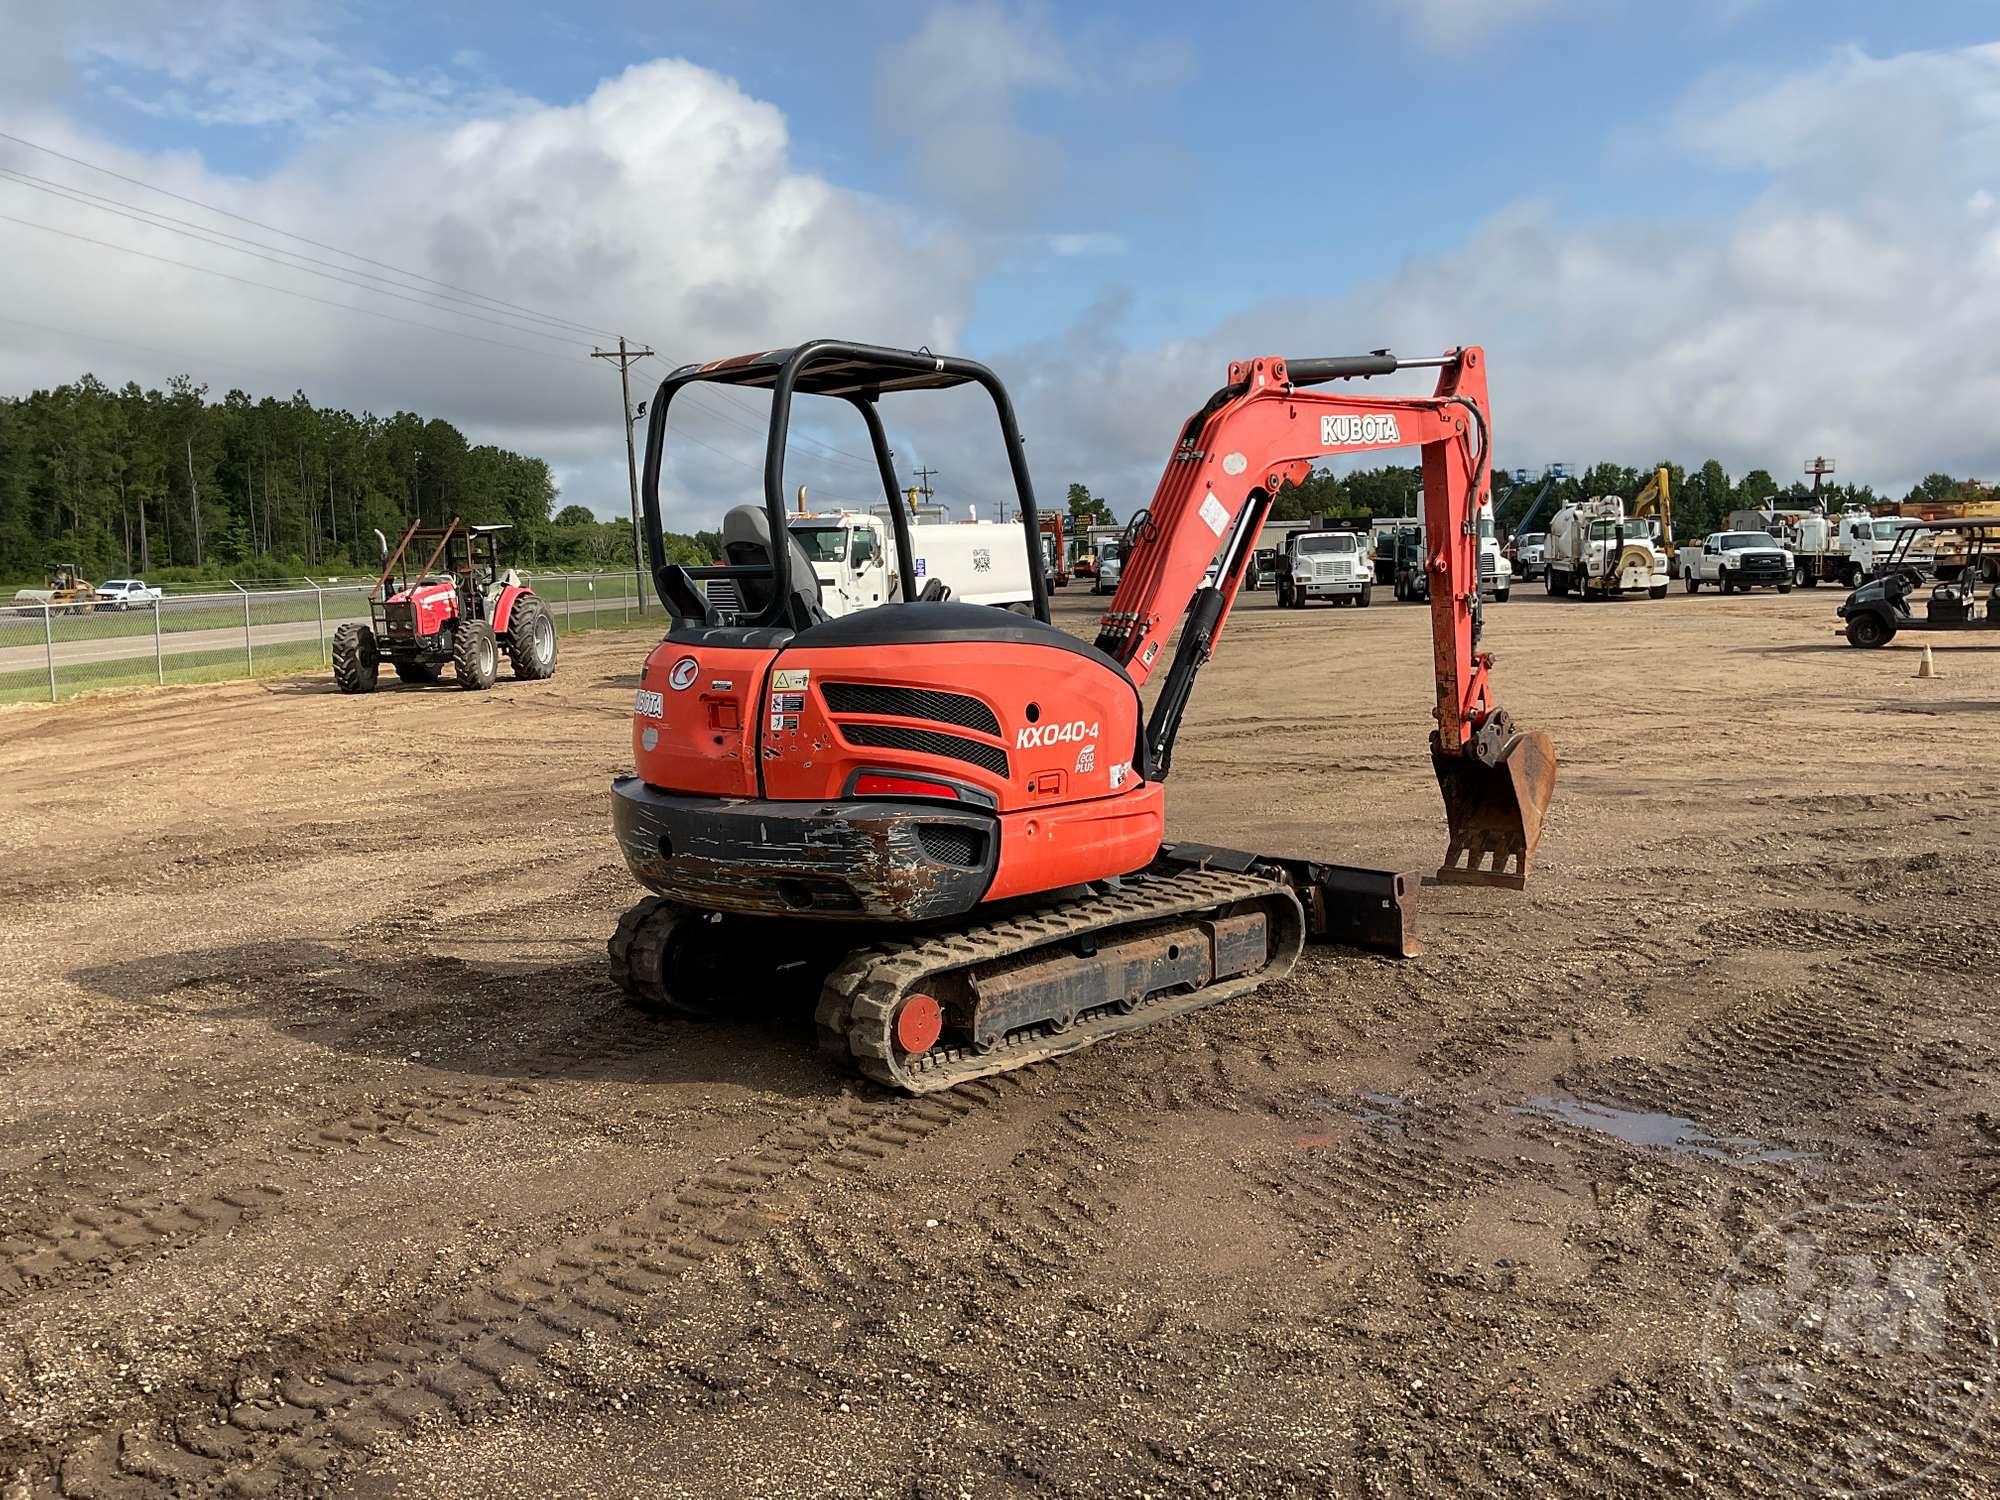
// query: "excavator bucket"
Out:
[1495,790]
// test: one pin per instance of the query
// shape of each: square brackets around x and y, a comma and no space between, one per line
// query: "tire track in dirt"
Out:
[268,1434]
[1635,1437]
[123,1230]
[1827,1044]
[1416,1158]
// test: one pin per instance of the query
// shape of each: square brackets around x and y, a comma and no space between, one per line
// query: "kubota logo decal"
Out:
[1054,734]
[1376,427]
[650,705]
[685,671]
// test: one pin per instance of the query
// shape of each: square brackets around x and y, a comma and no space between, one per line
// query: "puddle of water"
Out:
[1368,1106]
[1638,1127]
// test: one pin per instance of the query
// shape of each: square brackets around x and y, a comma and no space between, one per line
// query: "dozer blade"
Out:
[1495,793]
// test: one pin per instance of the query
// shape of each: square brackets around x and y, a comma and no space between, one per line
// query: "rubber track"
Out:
[858,1005]
[323,1415]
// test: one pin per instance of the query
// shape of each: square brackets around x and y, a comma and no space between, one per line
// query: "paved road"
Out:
[135,647]
[75,653]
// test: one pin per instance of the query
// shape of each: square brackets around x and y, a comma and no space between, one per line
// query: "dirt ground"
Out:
[330,1161]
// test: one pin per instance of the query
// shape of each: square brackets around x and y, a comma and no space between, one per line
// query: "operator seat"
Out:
[746,542]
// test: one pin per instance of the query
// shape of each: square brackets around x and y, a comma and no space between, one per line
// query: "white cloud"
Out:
[259,64]
[949,91]
[959,91]
[1464,25]
[1851,307]
[1091,243]
[665,205]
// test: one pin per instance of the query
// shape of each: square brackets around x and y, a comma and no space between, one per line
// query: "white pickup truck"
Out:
[1733,560]
[127,593]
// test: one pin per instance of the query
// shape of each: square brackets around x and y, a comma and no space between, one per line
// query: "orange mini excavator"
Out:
[950,819]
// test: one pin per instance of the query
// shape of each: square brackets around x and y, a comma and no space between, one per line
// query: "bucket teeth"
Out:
[1495,793]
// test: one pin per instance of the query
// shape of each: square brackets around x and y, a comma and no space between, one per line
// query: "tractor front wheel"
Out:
[356,663]
[531,640]
[475,655]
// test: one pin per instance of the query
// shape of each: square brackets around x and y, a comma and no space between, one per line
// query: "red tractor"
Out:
[461,607]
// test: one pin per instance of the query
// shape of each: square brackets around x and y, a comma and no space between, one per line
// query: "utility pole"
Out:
[1819,468]
[924,482]
[626,359]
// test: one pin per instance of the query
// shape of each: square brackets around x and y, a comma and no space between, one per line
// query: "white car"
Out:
[126,593]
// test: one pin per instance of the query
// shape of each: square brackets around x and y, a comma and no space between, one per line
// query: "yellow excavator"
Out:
[1656,499]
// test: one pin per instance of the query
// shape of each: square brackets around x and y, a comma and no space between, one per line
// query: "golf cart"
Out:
[1968,600]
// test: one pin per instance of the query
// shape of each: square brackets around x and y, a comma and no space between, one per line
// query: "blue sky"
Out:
[1120,187]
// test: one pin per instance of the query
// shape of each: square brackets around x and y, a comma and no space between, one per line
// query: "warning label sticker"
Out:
[790,680]
[1213,514]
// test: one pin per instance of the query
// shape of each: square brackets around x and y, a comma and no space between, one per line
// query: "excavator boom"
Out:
[1265,428]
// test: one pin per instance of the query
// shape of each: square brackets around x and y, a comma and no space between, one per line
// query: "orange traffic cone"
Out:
[1926,667]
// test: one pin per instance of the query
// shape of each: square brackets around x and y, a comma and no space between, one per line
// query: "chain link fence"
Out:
[52,651]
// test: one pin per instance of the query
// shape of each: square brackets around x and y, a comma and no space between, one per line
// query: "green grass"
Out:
[280,659]
[273,659]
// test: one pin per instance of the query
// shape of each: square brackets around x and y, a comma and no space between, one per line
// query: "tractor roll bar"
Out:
[858,374]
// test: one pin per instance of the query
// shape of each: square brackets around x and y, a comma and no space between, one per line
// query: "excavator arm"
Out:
[1266,428]
[1657,499]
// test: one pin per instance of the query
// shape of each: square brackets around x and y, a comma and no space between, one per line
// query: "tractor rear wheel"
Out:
[475,655]
[356,663]
[418,671]
[531,640]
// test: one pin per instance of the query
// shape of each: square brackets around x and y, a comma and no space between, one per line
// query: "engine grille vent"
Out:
[910,703]
[953,844]
[927,742]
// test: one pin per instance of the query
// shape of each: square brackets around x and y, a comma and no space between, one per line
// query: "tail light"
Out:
[880,784]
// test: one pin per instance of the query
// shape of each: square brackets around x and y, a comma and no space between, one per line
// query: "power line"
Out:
[481,303]
[188,360]
[218,239]
[383,265]
[366,312]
